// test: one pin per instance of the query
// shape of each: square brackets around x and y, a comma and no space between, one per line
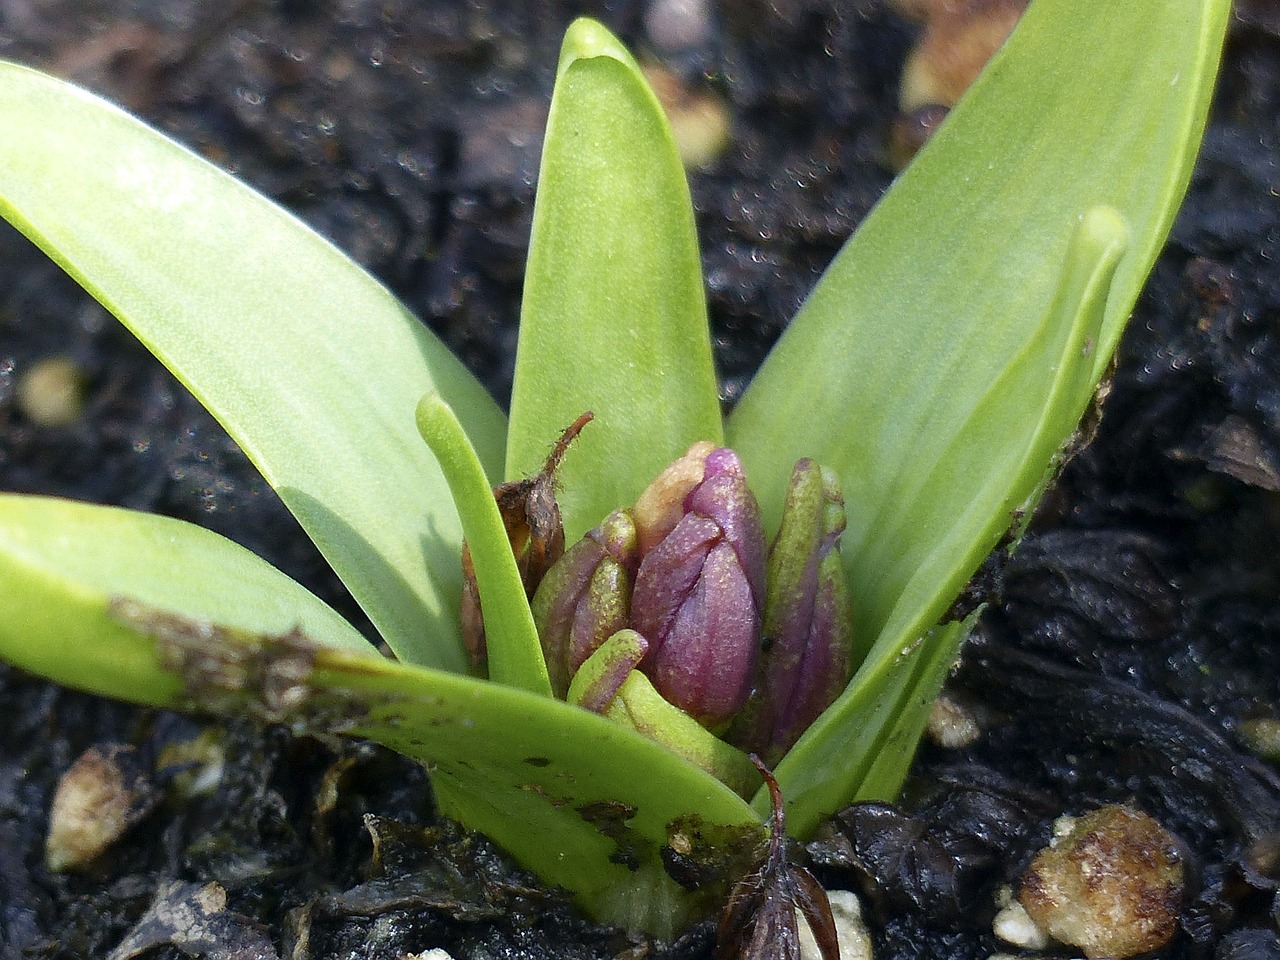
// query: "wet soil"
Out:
[1131,652]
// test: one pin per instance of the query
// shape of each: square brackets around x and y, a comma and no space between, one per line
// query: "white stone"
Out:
[851,932]
[1013,925]
[675,25]
[951,726]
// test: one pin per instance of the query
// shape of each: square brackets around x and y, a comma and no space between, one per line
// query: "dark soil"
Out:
[1134,641]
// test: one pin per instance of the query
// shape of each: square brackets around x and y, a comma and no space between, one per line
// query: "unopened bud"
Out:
[597,682]
[661,505]
[609,684]
[698,593]
[807,619]
[585,597]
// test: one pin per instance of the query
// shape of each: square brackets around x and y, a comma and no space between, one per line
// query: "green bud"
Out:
[586,597]
[596,683]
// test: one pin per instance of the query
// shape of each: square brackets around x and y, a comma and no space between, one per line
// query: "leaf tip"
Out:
[436,421]
[1102,235]
[429,406]
[586,39]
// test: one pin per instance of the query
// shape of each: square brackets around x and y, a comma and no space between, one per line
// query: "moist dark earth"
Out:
[1130,651]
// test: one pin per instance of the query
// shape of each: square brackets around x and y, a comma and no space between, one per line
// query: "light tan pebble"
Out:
[1110,884]
[100,796]
[700,121]
[435,953]
[957,42]
[50,392]
[950,725]
[851,931]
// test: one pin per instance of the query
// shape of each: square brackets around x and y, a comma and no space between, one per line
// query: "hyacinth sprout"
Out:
[781,588]
[669,603]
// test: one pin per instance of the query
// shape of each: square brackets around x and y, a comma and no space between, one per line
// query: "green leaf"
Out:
[985,475]
[579,799]
[64,564]
[614,314]
[310,364]
[158,611]
[1052,376]
[892,372]
[514,652]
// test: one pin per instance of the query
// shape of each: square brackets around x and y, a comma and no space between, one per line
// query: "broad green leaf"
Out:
[310,364]
[63,564]
[579,799]
[896,362]
[614,314]
[158,611]
[514,654]
[1049,379]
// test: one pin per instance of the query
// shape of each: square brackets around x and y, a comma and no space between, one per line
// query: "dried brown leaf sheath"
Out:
[759,918]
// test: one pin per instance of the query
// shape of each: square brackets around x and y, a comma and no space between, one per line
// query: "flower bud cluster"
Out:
[751,644]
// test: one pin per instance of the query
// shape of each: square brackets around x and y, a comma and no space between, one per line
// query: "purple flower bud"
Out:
[698,593]
[807,618]
[586,597]
[661,506]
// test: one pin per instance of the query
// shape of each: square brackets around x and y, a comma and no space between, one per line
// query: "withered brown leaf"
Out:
[759,919]
[532,520]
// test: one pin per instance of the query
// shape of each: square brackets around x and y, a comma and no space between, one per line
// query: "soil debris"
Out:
[942,861]
[760,921]
[1111,882]
[441,888]
[194,918]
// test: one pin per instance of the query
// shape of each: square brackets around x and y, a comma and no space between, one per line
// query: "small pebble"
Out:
[950,725]
[675,26]
[1013,925]
[699,119]
[102,794]
[851,931]
[958,40]
[1110,883]
[50,392]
